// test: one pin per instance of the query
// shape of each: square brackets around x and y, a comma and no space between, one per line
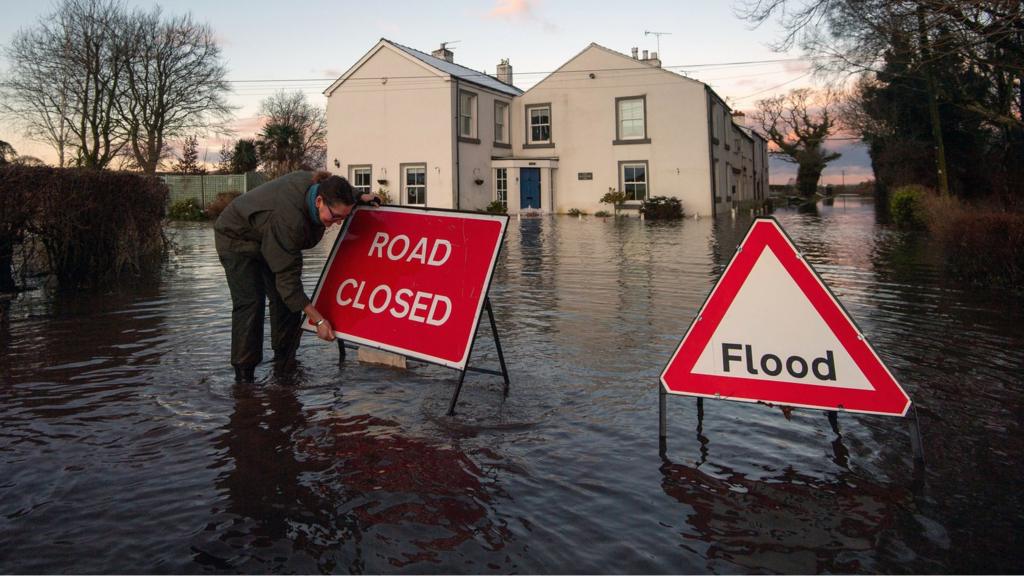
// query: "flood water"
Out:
[126,446]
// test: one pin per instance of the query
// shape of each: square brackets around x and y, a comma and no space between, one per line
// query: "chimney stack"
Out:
[504,72]
[635,57]
[443,53]
[645,54]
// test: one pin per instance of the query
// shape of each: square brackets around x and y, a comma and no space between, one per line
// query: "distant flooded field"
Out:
[126,446]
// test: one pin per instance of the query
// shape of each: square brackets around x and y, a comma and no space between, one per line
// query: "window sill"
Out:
[502,145]
[469,140]
[548,145]
[637,141]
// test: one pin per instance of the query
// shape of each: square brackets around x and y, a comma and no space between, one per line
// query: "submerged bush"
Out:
[95,225]
[496,207]
[662,208]
[187,209]
[980,245]
[576,212]
[906,206]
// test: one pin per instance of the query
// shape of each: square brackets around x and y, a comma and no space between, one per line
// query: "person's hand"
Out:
[325,331]
[371,199]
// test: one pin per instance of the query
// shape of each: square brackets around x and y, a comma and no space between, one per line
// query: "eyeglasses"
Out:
[334,215]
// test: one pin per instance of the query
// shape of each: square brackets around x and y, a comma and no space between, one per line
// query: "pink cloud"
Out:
[510,8]
[521,10]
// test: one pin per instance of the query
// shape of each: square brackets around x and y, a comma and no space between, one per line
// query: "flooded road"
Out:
[126,446]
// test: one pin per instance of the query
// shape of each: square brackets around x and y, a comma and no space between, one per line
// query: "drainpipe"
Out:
[458,145]
[711,147]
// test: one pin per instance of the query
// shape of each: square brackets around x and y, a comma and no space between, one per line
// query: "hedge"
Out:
[95,225]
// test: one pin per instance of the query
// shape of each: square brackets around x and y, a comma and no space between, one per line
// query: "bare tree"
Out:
[98,83]
[94,62]
[294,134]
[175,84]
[34,93]
[798,124]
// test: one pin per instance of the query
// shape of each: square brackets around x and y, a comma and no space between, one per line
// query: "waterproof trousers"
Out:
[252,283]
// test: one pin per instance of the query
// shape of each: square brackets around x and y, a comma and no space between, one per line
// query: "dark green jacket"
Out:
[274,220]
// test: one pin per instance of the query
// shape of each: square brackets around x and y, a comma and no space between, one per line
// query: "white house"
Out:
[433,133]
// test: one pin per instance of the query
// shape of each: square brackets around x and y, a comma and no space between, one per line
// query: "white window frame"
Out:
[467,114]
[501,122]
[619,118]
[501,186]
[625,187]
[353,177]
[405,168]
[530,125]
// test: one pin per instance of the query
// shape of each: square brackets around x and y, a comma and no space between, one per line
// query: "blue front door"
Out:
[529,188]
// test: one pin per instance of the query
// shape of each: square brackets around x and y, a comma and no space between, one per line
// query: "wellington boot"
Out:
[245,374]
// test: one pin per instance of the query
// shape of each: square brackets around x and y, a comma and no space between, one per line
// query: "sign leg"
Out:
[833,419]
[662,422]
[455,396]
[915,438]
[341,351]
[497,343]
[700,414]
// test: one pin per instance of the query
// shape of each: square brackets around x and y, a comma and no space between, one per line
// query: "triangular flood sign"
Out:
[771,331]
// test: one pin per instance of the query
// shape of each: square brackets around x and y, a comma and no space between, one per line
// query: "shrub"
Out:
[576,212]
[187,209]
[615,198]
[213,209]
[95,225]
[602,214]
[496,207]
[662,208]
[385,198]
[980,246]
[906,206]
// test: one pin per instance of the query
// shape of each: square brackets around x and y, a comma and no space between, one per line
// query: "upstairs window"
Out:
[501,122]
[467,114]
[631,115]
[539,124]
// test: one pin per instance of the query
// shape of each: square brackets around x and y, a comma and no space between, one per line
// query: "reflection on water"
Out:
[126,445]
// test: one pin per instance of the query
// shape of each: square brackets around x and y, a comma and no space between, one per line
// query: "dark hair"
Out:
[336,190]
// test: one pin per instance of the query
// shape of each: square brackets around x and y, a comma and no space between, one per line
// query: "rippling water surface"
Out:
[126,446]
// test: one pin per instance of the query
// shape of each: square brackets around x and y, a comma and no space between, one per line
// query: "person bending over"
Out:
[260,237]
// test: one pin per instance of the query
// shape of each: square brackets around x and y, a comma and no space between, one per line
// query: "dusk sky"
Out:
[306,44]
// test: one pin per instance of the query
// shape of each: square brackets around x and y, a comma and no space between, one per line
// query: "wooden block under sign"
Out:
[374,356]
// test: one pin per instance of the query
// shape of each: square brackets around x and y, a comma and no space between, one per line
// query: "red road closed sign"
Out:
[771,331]
[411,281]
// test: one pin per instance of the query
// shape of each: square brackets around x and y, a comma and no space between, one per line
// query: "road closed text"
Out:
[402,303]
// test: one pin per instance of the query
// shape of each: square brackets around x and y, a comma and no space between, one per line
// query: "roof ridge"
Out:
[470,72]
